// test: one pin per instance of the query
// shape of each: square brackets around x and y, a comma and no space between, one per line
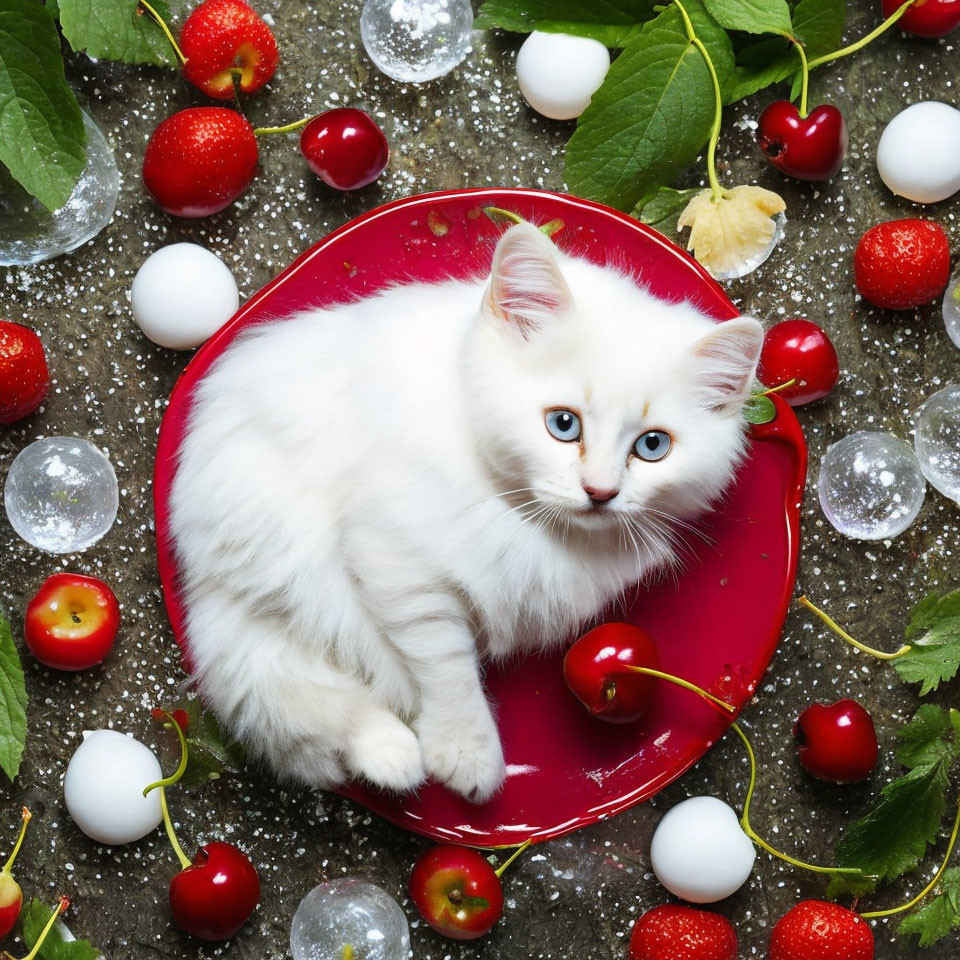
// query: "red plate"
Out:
[718,626]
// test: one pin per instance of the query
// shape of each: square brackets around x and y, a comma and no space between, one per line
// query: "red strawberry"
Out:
[224,38]
[816,930]
[682,933]
[902,263]
[24,378]
[200,160]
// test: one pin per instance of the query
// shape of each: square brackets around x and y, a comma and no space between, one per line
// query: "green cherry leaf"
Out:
[661,209]
[652,115]
[612,22]
[13,703]
[116,30]
[752,16]
[759,408]
[34,918]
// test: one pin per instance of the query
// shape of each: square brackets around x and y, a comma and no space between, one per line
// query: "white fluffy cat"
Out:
[373,498]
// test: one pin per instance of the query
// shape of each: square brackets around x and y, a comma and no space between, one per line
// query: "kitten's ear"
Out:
[526,286]
[726,361]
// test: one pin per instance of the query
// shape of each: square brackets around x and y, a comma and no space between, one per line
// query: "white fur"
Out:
[368,502]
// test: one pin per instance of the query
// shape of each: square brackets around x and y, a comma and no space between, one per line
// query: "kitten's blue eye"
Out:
[563,425]
[653,445]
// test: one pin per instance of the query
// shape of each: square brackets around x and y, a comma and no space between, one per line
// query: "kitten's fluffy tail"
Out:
[304,718]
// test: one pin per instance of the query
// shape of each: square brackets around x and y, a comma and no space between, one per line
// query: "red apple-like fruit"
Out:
[345,148]
[223,39]
[457,892]
[596,669]
[11,896]
[798,350]
[71,622]
[198,161]
[24,378]
[808,148]
[214,896]
[837,741]
[926,18]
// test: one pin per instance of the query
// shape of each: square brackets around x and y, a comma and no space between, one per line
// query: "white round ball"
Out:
[700,852]
[103,787]
[558,74]
[918,156]
[182,295]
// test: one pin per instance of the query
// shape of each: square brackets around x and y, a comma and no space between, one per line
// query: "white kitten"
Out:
[374,497]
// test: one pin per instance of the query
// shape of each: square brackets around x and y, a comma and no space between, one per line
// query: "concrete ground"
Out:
[572,898]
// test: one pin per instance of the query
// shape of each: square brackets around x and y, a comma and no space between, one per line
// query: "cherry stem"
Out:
[157,19]
[716,190]
[779,387]
[805,84]
[61,906]
[759,841]
[869,38]
[686,684]
[169,782]
[943,866]
[837,629]
[516,853]
[289,128]
[23,830]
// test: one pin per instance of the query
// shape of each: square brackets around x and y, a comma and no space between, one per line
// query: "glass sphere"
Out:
[61,494]
[951,310]
[349,913]
[416,40]
[937,441]
[870,486]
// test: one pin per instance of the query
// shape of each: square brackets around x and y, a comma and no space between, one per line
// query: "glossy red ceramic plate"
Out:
[717,626]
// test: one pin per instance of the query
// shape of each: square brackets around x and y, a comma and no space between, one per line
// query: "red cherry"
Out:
[798,350]
[595,670]
[926,18]
[223,38]
[199,161]
[672,932]
[344,148]
[837,741]
[808,148]
[11,896]
[24,378]
[214,896]
[71,622]
[817,930]
[180,717]
[457,891]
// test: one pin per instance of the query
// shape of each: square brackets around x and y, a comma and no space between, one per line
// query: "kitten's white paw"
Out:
[468,759]
[385,751]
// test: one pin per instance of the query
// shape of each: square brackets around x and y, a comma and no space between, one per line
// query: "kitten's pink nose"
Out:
[599,495]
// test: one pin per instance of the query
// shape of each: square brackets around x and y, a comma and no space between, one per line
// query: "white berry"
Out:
[103,787]
[558,73]
[700,852]
[182,295]
[918,156]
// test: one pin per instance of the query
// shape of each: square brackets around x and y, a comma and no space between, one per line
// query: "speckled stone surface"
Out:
[572,898]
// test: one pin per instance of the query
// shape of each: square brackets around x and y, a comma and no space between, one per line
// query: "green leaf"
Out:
[759,408]
[817,23]
[939,916]
[752,16]
[934,635]
[893,836]
[932,735]
[13,703]
[41,127]
[662,208]
[114,30]
[653,113]
[34,918]
[931,610]
[612,22]
[210,752]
